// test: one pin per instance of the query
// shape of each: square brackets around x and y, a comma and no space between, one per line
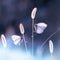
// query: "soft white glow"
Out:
[42,24]
[51,46]
[21,28]
[38,51]
[40,27]
[3,40]
[33,14]
[16,39]
[14,55]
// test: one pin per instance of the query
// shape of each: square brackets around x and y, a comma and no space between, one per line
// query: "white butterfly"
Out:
[16,39]
[40,27]
[21,27]
[51,46]
[4,42]
[33,14]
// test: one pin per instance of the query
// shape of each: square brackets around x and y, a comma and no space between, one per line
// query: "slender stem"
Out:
[32,36]
[48,38]
[25,43]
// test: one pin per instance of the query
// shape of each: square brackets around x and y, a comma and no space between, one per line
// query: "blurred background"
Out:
[14,12]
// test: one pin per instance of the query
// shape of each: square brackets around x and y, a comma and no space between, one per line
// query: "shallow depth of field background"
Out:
[14,12]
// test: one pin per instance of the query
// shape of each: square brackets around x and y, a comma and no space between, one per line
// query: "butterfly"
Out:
[16,39]
[40,27]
